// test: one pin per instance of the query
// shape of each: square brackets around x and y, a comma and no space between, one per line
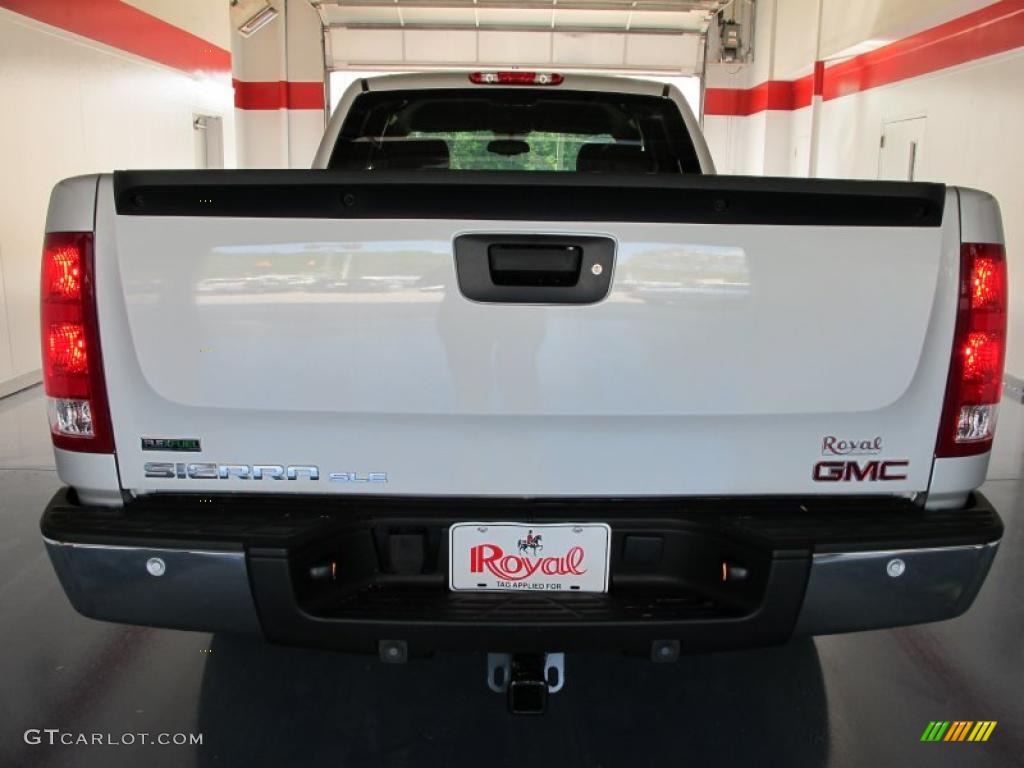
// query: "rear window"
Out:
[514,129]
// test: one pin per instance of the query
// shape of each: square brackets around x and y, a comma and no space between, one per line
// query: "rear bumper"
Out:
[247,564]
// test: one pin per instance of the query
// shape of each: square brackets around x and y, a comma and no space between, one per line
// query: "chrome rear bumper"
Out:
[245,566]
[853,591]
[174,588]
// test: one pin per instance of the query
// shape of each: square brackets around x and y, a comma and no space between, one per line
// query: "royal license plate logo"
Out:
[516,557]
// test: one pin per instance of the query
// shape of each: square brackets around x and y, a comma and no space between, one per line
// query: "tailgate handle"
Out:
[534,265]
[534,269]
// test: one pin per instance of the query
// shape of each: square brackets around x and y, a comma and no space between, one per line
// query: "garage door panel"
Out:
[663,50]
[366,45]
[376,14]
[418,35]
[578,49]
[519,47]
[591,19]
[439,17]
[441,47]
[515,17]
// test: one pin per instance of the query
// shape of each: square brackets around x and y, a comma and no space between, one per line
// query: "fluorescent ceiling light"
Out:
[258,21]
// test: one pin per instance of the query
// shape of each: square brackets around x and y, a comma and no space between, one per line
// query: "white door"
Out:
[899,154]
[208,133]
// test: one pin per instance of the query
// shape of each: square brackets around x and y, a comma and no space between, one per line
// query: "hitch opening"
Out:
[526,678]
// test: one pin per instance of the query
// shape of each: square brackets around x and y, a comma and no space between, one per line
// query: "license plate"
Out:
[519,557]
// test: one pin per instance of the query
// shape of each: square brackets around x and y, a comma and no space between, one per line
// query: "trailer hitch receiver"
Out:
[526,679]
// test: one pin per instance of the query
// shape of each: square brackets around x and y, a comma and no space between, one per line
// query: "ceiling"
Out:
[650,16]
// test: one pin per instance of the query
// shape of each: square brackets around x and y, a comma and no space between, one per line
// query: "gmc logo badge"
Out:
[858,471]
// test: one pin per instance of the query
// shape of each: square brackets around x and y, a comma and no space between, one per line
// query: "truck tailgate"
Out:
[752,331]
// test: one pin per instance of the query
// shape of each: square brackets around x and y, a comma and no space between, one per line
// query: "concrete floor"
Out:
[853,700]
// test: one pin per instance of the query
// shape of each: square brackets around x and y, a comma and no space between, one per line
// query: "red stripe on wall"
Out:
[818,78]
[123,26]
[278,95]
[305,95]
[803,91]
[774,94]
[994,29]
[725,101]
[991,30]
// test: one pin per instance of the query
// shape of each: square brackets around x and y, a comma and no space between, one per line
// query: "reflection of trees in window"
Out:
[548,151]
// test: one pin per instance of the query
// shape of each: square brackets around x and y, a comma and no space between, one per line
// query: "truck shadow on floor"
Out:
[267,705]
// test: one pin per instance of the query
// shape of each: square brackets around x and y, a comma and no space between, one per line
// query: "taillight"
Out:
[516,77]
[979,347]
[72,369]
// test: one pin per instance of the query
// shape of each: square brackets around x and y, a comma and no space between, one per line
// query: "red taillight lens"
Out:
[62,272]
[66,349]
[979,348]
[983,363]
[516,78]
[988,281]
[72,373]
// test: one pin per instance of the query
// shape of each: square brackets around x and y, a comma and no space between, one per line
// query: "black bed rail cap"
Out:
[528,196]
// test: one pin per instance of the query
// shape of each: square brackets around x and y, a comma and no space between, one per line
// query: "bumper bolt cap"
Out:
[895,567]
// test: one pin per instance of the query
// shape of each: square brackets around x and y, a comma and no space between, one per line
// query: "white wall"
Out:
[737,143]
[796,23]
[207,19]
[847,25]
[74,106]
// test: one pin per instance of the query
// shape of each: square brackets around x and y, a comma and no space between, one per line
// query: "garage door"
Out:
[612,35]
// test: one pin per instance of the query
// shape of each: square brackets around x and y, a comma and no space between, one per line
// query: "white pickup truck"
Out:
[512,370]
